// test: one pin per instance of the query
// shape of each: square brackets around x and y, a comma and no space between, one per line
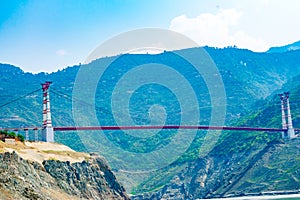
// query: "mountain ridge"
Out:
[289,47]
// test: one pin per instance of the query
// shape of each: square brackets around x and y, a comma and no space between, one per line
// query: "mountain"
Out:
[249,79]
[53,171]
[290,47]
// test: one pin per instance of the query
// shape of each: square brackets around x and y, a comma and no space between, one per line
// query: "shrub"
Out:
[21,137]
[4,132]
[11,134]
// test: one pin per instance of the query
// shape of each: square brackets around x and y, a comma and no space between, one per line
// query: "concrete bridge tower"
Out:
[287,122]
[47,131]
[291,131]
[283,116]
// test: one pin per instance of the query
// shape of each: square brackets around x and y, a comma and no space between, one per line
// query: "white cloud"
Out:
[217,30]
[61,52]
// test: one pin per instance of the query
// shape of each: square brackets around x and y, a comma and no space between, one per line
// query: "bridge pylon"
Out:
[287,122]
[291,131]
[47,131]
[283,116]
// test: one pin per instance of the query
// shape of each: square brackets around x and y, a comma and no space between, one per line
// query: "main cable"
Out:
[14,100]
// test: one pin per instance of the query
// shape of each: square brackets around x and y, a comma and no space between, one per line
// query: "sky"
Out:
[47,35]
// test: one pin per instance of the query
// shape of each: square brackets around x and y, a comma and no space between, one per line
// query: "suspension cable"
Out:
[16,99]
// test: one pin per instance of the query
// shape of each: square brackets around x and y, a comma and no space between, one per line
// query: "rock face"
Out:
[23,179]
[242,173]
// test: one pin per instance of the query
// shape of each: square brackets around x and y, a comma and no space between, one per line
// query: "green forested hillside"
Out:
[249,80]
[241,163]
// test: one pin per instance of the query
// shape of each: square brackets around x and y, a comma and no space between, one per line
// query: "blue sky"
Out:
[46,35]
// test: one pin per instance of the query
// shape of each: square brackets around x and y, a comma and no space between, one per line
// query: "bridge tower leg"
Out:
[291,131]
[283,116]
[47,131]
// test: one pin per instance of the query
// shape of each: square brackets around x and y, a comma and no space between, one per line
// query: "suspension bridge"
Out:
[48,130]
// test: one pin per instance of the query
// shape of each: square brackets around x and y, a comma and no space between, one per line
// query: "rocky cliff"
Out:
[54,179]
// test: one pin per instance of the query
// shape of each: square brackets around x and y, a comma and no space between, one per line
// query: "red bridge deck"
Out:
[73,128]
[199,127]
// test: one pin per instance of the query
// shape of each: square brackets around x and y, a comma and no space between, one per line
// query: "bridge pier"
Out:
[47,131]
[26,134]
[48,134]
[36,134]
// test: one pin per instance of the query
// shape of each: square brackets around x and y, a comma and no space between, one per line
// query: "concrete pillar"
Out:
[36,135]
[48,134]
[26,134]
